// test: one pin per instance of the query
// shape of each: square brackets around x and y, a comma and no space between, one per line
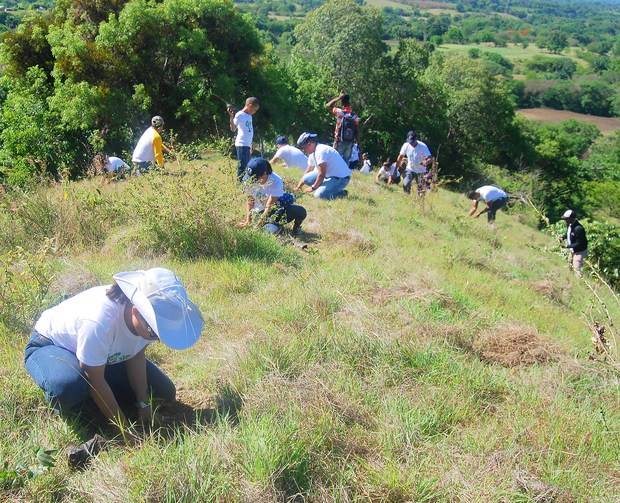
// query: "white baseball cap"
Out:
[161,299]
[568,214]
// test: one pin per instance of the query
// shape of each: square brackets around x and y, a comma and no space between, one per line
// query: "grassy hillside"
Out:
[409,355]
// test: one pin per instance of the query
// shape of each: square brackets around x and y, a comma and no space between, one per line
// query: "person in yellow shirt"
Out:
[150,148]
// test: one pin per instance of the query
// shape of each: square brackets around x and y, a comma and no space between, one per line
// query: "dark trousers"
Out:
[494,206]
[290,213]
[243,156]
[58,373]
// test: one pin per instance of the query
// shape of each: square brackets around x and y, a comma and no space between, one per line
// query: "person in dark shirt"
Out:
[576,240]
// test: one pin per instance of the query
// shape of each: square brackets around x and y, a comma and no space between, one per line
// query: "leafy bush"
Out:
[25,278]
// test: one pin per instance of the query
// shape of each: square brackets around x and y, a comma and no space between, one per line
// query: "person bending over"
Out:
[389,173]
[268,203]
[150,148]
[290,156]
[93,344]
[494,199]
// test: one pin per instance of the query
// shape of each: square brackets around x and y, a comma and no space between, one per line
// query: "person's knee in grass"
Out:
[268,205]
[327,174]
[93,344]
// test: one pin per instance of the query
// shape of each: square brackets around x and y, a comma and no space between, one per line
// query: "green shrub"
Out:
[25,279]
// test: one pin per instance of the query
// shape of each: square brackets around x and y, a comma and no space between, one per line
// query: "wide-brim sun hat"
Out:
[305,138]
[161,299]
[568,214]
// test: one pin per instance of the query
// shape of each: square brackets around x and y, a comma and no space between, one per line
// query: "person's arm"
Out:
[248,212]
[378,175]
[330,104]
[309,168]
[102,394]
[274,159]
[322,169]
[166,149]
[271,200]
[357,134]
[136,374]
[473,208]
[231,119]
[390,180]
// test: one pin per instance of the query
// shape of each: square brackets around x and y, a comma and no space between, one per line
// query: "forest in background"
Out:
[85,77]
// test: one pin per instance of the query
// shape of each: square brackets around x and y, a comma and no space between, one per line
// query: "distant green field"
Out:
[513,52]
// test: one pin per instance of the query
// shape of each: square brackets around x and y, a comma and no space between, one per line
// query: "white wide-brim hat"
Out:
[161,299]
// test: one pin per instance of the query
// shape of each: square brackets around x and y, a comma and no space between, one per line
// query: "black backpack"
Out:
[348,127]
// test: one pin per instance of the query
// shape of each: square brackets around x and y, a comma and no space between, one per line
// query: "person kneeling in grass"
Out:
[327,174]
[93,344]
[494,198]
[268,203]
[389,173]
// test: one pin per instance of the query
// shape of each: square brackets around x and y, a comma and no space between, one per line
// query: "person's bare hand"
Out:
[308,189]
[242,224]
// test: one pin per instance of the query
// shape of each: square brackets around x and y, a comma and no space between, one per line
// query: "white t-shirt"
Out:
[274,186]
[355,153]
[91,326]
[366,167]
[491,193]
[390,171]
[245,132]
[114,164]
[144,149]
[415,156]
[336,165]
[292,157]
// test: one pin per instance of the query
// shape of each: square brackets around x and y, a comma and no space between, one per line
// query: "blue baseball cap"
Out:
[257,167]
[281,140]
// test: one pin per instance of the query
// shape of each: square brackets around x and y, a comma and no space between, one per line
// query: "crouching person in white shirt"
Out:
[494,199]
[327,174]
[268,204]
[290,156]
[93,344]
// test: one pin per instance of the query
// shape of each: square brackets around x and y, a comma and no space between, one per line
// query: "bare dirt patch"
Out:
[513,345]
[607,125]
[354,240]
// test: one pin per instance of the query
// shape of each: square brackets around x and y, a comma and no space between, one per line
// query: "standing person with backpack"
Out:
[576,241]
[347,130]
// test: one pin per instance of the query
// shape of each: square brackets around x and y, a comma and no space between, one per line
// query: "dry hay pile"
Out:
[549,289]
[354,240]
[513,345]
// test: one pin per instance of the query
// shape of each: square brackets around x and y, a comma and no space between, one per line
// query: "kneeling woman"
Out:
[267,200]
[93,344]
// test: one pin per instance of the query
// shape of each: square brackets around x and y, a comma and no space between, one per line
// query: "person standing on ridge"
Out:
[241,122]
[347,130]
[418,157]
[290,156]
[150,148]
[327,174]
[494,198]
[576,241]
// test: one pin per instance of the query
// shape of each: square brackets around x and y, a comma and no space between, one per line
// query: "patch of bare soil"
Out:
[513,345]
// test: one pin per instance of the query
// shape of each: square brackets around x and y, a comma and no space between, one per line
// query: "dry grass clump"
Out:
[72,281]
[354,241]
[513,345]
[537,490]
[550,289]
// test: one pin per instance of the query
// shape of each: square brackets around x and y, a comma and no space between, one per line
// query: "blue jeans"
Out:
[331,188]
[345,149]
[243,156]
[57,372]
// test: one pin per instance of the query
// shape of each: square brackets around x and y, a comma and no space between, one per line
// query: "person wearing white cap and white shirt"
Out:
[291,156]
[150,147]
[93,344]
[576,240]
[115,165]
[494,198]
[327,174]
